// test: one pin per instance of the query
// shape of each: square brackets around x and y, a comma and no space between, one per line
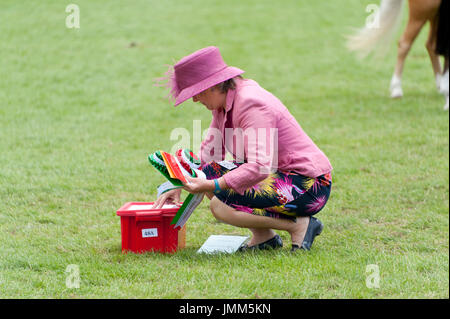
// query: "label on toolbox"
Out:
[150,232]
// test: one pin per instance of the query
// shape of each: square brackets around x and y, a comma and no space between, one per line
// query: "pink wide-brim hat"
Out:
[197,72]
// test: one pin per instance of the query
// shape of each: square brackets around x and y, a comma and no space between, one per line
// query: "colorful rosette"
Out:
[157,161]
[188,160]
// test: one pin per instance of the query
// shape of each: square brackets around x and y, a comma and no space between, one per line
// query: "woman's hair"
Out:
[229,84]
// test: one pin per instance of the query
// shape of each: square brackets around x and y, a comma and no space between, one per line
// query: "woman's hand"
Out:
[169,197]
[198,185]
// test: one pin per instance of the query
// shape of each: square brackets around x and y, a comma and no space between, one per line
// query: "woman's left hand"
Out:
[198,185]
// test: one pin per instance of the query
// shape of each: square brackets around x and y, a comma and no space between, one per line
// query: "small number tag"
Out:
[150,232]
[227,164]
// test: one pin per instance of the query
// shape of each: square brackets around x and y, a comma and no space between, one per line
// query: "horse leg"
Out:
[444,84]
[431,48]
[415,24]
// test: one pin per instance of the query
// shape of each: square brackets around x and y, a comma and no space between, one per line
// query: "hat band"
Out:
[188,83]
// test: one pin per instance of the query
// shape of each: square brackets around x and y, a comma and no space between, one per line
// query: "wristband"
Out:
[216,186]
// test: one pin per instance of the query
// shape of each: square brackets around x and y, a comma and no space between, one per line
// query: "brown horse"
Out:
[376,36]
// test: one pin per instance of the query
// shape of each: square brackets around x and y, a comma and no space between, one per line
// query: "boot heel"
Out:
[320,229]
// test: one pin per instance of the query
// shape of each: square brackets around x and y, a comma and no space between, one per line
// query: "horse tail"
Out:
[377,36]
[442,45]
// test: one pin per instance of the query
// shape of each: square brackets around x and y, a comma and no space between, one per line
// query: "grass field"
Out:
[79,113]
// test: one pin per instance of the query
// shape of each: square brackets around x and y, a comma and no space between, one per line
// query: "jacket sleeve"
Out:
[211,148]
[258,125]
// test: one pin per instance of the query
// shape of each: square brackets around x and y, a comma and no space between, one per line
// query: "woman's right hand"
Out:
[169,197]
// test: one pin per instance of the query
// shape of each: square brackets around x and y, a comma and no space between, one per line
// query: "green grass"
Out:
[79,114]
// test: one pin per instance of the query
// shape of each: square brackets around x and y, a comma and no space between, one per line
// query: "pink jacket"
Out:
[259,131]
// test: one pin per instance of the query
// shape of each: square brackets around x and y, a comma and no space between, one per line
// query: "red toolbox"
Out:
[146,229]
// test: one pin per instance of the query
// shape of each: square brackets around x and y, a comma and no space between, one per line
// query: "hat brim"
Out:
[219,77]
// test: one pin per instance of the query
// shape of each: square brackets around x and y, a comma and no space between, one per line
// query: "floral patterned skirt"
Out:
[280,195]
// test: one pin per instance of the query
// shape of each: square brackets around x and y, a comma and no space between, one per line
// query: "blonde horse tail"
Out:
[377,35]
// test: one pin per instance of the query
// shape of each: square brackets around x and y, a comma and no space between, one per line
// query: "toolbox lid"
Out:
[140,208]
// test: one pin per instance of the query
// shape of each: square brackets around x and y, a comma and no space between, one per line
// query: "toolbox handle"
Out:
[144,216]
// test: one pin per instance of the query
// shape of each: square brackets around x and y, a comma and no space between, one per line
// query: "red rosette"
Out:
[182,161]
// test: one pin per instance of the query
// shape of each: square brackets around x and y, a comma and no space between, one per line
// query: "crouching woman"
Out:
[278,178]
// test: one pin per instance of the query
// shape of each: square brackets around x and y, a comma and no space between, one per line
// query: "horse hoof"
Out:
[396,93]
[443,85]
[396,87]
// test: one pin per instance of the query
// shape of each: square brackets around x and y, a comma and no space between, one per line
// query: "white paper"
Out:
[200,173]
[192,205]
[227,164]
[195,201]
[222,244]
[149,207]
[165,187]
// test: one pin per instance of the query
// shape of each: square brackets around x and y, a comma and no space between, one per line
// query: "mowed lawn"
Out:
[79,114]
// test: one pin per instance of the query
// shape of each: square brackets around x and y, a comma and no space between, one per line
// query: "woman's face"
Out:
[212,98]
